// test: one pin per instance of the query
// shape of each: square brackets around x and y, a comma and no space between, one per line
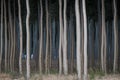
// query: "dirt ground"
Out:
[57,77]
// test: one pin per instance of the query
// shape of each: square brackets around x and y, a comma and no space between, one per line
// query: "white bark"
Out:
[85,40]
[65,64]
[41,39]
[28,40]
[78,55]
[60,39]
[115,37]
[103,43]
[1,46]
[21,42]
[47,42]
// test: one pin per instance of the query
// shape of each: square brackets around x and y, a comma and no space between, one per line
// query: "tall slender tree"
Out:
[65,64]
[11,35]
[14,36]
[103,42]
[99,33]
[102,65]
[47,37]
[72,42]
[78,55]
[21,42]
[28,40]
[1,46]
[41,37]
[60,37]
[9,47]
[85,39]
[6,38]
[115,37]
[50,41]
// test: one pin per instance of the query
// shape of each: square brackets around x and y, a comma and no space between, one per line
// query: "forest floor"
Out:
[108,77]
[57,77]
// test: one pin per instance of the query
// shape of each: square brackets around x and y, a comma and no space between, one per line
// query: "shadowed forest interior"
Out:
[60,37]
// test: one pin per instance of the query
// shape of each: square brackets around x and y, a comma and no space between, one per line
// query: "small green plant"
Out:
[53,71]
[13,74]
[100,73]
[93,73]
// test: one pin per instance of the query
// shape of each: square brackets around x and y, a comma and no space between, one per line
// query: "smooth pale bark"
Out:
[115,64]
[47,37]
[78,55]
[6,48]
[28,40]
[85,40]
[102,65]
[21,42]
[65,63]
[1,46]
[41,38]
[60,39]
[103,43]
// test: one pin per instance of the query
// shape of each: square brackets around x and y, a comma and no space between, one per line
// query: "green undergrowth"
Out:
[53,71]
[94,73]
[13,74]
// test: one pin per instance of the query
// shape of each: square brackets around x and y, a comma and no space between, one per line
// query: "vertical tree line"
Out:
[71,39]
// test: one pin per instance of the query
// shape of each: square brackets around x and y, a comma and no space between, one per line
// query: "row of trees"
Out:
[73,37]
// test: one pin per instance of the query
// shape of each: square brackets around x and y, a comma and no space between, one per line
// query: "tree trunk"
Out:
[21,42]
[65,64]
[99,33]
[72,43]
[28,40]
[103,43]
[41,39]
[6,48]
[1,51]
[78,55]
[14,41]
[60,39]
[115,65]
[47,37]
[50,37]
[91,43]
[9,49]
[82,41]
[72,52]
[11,35]
[85,40]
